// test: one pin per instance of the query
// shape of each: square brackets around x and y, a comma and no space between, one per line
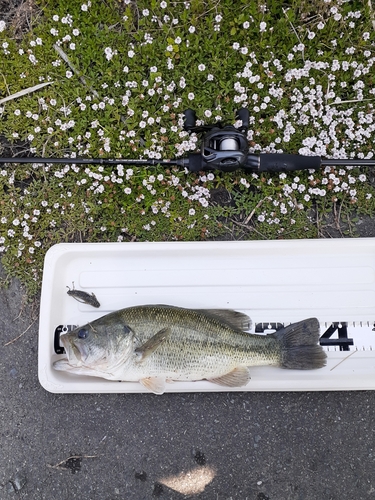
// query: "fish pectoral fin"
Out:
[238,377]
[152,344]
[154,384]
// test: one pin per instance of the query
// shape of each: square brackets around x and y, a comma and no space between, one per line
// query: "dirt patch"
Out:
[19,15]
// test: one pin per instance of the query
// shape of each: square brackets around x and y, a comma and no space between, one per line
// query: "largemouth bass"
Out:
[155,344]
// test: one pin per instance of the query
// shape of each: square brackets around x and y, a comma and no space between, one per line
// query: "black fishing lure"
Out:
[83,297]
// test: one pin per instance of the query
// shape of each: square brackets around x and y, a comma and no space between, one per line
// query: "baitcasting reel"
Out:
[223,147]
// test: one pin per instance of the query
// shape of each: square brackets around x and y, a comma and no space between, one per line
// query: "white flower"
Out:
[178,40]
[153,69]
[262,26]
[191,96]
[2,25]
[246,24]
[236,46]
[192,29]
[320,26]
[163,5]
[131,53]
[208,113]
[84,7]
[68,74]
[201,67]
[108,53]
[145,12]
[218,18]
[33,59]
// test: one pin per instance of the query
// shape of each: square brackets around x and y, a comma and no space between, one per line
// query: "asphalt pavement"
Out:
[211,446]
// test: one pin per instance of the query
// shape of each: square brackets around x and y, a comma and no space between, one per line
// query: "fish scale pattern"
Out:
[199,344]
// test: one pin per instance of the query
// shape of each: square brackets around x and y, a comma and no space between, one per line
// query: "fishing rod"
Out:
[223,148]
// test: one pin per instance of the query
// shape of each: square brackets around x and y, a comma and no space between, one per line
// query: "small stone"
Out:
[142,476]
[158,490]
[9,488]
[200,458]
[19,482]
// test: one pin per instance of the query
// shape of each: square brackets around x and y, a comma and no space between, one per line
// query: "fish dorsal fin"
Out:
[152,344]
[154,384]
[234,319]
[238,377]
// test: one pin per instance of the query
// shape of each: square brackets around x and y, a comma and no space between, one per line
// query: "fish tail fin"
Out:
[300,347]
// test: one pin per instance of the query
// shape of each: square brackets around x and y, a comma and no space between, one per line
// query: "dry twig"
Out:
[19,336]
[24,92]
[63,56]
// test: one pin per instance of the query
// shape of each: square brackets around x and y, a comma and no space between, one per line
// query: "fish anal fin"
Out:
[152,344]
[238,377]
[154,384]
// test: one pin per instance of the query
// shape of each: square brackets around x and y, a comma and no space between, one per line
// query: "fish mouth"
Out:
[73,352]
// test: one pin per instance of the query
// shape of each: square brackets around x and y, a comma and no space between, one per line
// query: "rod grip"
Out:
[274,162]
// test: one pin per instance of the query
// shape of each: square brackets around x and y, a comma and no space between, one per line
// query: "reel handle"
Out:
[190,119]
[243,115]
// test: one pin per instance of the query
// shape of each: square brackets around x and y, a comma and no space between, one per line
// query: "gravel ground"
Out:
[219,446]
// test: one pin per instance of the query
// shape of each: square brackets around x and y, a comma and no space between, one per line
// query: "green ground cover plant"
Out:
[118,76]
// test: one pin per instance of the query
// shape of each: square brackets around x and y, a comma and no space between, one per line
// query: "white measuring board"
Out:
[271,281]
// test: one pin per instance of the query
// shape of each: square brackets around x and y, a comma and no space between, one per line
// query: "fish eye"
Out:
[82,333]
